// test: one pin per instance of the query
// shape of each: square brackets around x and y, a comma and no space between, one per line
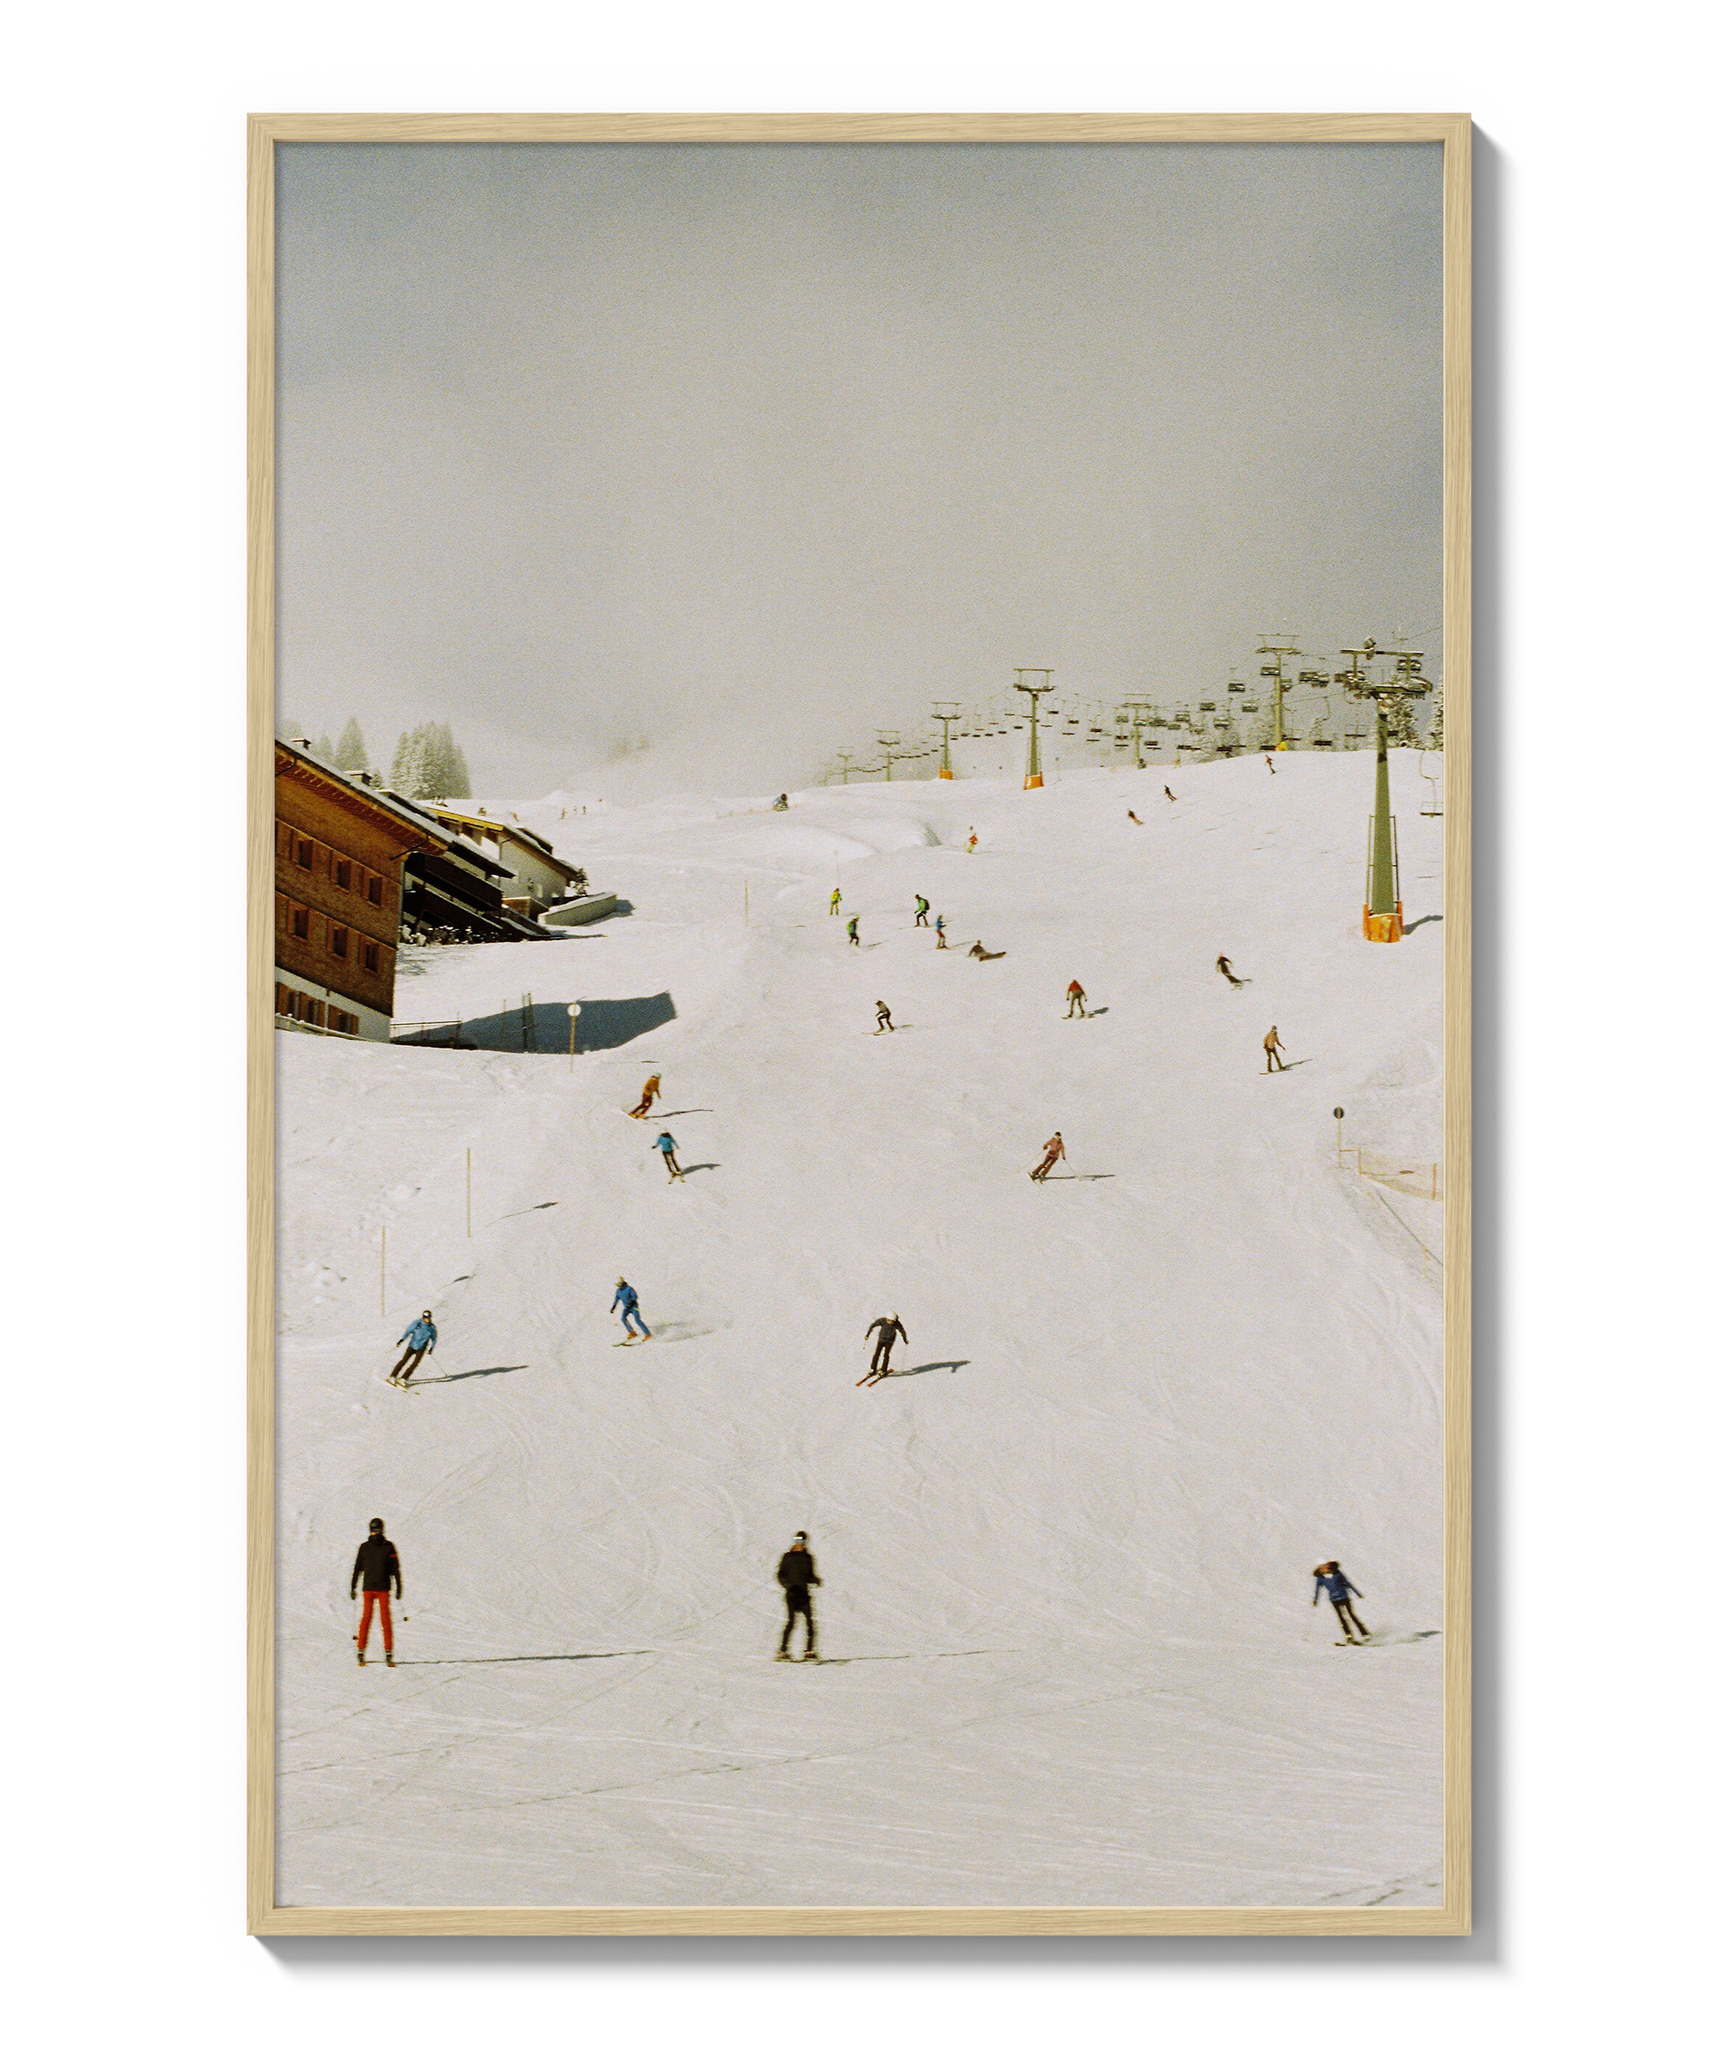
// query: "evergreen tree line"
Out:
[428,760]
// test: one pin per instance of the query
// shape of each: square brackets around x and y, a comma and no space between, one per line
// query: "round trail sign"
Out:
[1336,1112]
[573,1011]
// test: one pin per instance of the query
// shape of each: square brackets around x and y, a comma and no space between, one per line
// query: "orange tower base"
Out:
[945,774]
[1034,782]
[1383,925]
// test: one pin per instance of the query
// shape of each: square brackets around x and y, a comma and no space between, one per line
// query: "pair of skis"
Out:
[872,1377]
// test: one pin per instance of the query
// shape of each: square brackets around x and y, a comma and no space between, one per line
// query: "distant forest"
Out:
[428,761]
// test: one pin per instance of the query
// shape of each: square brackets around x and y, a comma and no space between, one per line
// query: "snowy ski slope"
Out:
[1067,1553]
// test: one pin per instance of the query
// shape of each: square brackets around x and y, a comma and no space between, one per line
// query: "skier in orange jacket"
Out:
[1076,999]
[647,1101]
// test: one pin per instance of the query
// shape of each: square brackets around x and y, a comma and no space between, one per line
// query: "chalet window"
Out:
[306,853]
[375,888]
[372,959]
[342,1020]
[315,1012]
[282,1000]
[300,921]
[338,940]
[343,874]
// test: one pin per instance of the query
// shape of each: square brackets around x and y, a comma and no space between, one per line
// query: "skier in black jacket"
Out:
[797,1574]
[888,1328]
[378,1565]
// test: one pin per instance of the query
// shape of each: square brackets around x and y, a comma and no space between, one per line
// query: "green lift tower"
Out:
[1381,914]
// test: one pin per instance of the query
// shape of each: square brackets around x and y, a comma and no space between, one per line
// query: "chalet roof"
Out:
[503,829]
[293,757]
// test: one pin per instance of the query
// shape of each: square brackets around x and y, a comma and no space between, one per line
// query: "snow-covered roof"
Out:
[363,785]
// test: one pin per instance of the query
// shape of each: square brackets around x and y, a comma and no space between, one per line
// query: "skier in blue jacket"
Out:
[665,1145]
[1330,1579]
[419,1340]
[626,1299]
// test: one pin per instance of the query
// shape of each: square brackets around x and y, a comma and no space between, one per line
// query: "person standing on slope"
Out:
[1168,792]
[834,902]
[884,1021]
[378,1565]
[796,1575]
[972,842]
[942,933]
[1134,820]
[626,1300]
[1076,999]
[1227,971]
[1274,1050]
[647,1101]
[921,911]
[664,1143]
[1270,764]
[888,1328]
[1054,1149]
[419,1340]
[853,931]
[1332,1580]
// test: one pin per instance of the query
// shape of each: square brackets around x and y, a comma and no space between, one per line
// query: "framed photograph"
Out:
[760,624]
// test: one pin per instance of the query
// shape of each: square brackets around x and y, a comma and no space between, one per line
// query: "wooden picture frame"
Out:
[1449,131]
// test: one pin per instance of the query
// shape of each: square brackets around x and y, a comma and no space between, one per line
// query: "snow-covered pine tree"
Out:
[1434,739]
[450,764]
[323,749]
[350,754]
[1399,722]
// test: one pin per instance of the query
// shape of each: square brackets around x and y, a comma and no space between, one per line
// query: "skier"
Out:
[796,1575]
[378,1565]
[888,1328]
[942,933]
[1134,820]
[1330,1579]
[1270,764]
[647,1101]
[665,1145]
[884,1022]
[1227,971]
[852,931]
[1054,1149]
[972,842]
[1168,792]
[780,803]
[977,952]
[921,911]
[1274,1050]
[1076,999]
[834,902]
[419,1340]
[626,1299]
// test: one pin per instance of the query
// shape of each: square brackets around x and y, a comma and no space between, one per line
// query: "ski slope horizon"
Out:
[1066,1551]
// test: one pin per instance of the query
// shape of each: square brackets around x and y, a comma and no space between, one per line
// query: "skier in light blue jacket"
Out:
[419,1340]
[1331,1580]
[626,1300]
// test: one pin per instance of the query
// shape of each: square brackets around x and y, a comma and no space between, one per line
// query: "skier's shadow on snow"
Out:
[481,1372]
[544,1657]
[909,1372]
[1431,917]
[703,1166]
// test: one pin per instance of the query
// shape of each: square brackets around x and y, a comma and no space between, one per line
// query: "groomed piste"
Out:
[1070,1653]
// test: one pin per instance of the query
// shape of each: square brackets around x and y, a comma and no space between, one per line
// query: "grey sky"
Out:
[754,448]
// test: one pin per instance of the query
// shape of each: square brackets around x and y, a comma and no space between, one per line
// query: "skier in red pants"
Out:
[378,1565]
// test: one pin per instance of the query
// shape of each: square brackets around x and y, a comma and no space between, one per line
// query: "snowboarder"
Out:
[1274,1050]
[378,1565]
[884,1022]
[1168,792]
[1227,971]
[977,952]
[626,1300]
[942,933]
[1076,999]
[972,842]
[1134,820]
[419,1340]
[1054,1149]
[665,1145]
[921,911]
[796,1575]
[647,1101]
[1330,1579]
[834,902]
[852,931]
[888,1328]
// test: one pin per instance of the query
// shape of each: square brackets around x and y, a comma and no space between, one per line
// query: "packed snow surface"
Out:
[1071,1657]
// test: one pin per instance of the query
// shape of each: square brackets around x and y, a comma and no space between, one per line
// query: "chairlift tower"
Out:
[946,713]
[890,743]
[1033,691]
[1381,914]
[846,760]
[1138,710]
[1277,652]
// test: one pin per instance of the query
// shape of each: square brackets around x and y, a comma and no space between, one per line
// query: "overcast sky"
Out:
[751,449]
